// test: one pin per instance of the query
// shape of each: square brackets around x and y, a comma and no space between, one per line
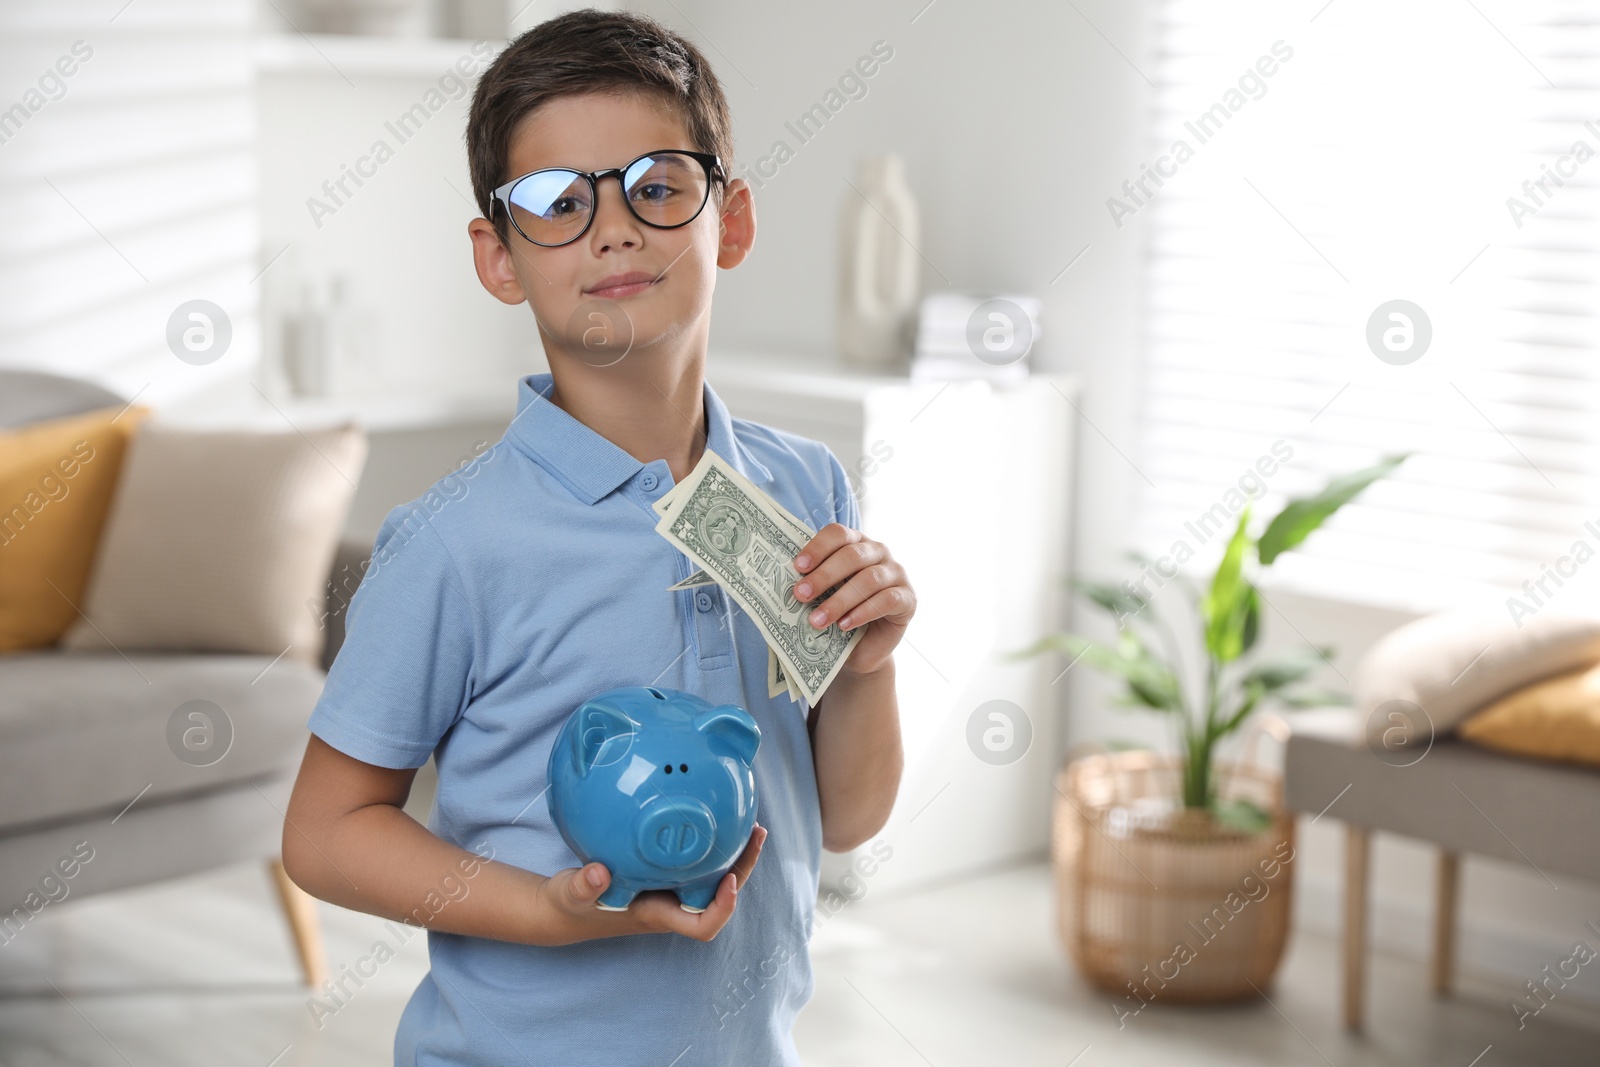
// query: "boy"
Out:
[537,580]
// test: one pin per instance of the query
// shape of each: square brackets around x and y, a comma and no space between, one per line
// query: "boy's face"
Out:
[592,132]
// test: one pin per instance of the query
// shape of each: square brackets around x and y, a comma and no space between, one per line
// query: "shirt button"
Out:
[648,481]
[702,601]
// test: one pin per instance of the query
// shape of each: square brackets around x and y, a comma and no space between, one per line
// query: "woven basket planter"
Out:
[1157,903]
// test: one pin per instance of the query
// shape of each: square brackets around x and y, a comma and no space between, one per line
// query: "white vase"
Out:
[879,268]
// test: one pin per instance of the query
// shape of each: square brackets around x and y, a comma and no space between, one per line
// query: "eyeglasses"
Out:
[665,189]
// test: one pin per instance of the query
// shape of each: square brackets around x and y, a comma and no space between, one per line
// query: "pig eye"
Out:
[669,768]
[684,767]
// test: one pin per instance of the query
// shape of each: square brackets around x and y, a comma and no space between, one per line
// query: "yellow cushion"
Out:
[1556,719]
[56,482]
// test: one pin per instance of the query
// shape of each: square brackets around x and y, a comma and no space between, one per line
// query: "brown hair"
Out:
[590,51]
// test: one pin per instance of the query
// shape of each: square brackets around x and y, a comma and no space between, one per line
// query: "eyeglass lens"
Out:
[551,207]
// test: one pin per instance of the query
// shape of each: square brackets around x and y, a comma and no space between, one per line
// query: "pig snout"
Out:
[676,831]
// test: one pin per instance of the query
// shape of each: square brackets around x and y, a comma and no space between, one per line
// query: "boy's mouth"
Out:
[620,285]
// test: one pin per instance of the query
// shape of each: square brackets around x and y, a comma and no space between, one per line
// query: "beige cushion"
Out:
[1453,663]
[218,541]
[1558,718]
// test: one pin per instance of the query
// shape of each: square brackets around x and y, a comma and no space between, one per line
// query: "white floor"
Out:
[201,973]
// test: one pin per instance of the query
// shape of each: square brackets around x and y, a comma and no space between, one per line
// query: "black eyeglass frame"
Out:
[709,160]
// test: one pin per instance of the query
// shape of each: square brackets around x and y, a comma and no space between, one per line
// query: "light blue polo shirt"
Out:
[495,604]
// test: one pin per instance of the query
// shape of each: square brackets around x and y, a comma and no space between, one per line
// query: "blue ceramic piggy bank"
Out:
[657,785]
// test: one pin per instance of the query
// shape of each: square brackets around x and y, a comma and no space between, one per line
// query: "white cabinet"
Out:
[970,487]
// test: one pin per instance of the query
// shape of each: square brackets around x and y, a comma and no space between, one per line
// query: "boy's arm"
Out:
[347,841]
[856,748]
[855,729]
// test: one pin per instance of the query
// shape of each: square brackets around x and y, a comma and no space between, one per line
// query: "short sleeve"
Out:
[847,509]
[403,673]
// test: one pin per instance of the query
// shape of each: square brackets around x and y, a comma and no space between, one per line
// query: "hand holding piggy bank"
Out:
[657,785]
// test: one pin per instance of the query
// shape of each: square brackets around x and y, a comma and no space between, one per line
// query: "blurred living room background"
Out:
[1065,286]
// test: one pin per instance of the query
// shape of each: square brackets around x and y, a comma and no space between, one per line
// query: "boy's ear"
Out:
[492,260]
[737,224]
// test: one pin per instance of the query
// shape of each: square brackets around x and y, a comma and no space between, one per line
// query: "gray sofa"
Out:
[85,762]
[1536,814]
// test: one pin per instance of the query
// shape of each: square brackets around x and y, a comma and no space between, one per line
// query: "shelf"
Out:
[401,412]
[819,384]
[333,54]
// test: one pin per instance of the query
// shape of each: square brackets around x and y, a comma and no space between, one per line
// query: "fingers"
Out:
[824,544]
[868,574]
[582,886]
[752,852]
[826,541]
[577,889]
[891,601]
[662,908]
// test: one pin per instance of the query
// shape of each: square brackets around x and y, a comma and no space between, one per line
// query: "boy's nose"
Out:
[614,224]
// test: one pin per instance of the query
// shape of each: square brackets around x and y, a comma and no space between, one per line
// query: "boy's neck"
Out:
[647,413]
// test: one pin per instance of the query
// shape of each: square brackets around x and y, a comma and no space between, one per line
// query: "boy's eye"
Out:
[566,206]
[653,191]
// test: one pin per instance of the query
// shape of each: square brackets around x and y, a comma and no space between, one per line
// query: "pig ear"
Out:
[601,735]
[734,728]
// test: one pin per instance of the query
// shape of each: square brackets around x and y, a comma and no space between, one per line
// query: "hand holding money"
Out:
[745,542]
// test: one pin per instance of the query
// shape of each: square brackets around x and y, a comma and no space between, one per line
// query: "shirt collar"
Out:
[591,466]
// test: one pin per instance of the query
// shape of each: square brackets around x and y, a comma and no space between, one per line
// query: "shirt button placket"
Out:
[712,626]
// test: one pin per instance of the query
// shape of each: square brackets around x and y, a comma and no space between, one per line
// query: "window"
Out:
[1316,164]
[127,188]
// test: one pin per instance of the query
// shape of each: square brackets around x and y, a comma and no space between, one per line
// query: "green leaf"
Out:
[1160,578]
[1253,695]
[1246,816]
[1300,517]
[1231,600]
[1051,643]
[1251,626]
[1280,671]
[1314,698]
[1114,599]
[1151,683]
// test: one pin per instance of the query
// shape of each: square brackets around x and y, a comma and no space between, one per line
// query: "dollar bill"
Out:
[747,542]
[776,682]
[695,579]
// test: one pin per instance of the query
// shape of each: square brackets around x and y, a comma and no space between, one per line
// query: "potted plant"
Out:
[1161,860]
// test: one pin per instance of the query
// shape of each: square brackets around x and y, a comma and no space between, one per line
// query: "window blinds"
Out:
[128,181]
[1445,154]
